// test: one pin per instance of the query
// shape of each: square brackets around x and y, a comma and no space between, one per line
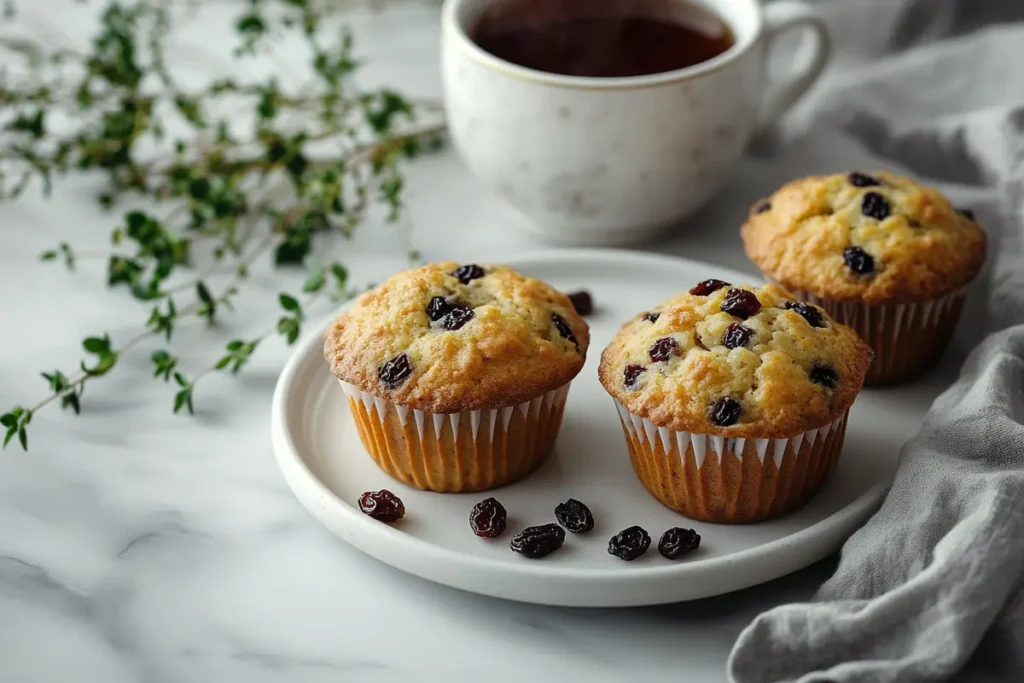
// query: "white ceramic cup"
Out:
[612,161]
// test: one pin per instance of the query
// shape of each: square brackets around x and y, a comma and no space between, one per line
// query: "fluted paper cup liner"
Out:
[474,450]
[908,339]
[731,480]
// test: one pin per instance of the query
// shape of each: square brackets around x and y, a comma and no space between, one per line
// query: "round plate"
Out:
[326,466]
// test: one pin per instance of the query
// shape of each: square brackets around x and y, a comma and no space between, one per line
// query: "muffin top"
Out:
[856,237]
[736,362]
[447,338]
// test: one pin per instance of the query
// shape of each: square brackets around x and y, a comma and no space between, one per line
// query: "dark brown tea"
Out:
[602,38]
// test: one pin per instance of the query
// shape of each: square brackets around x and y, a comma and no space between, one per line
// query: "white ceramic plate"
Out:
[325,465]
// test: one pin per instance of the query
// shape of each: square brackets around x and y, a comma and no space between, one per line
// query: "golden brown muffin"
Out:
[878,238]
[447,338]
[735,362]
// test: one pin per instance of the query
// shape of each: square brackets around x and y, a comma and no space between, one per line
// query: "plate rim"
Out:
[814,542]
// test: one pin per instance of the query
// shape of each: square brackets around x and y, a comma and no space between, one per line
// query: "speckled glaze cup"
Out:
[612,161]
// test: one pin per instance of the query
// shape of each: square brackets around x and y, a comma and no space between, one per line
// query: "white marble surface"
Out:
[136,545]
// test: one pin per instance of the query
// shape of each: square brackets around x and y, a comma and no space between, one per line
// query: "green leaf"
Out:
[180,379]
[10,434]
[23,438]
[222,363]
[8,420]
[340,274]
[96,345]
[288,303]
[70,400]
[289,328]
[48,255]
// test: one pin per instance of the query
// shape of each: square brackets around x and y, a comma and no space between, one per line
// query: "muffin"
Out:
[882,254]
[457,375]
[734,400]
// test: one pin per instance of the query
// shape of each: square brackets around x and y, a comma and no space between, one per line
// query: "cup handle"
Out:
[810,60]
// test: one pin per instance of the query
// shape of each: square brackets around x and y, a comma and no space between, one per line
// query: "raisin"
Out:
[487,519]
[382,505]
[966,213]
[652,316]
[458,316]
[708,287]
[574,516]
[663,349]
[875,206]
[824,375]
[811,314]
[395,371]
[438,308]
[468,272]
[763,206]
[741,303]
[538,541]
[563,328]
[630,543]
[736,335]
[858,260]
[862,180]
[631,374]
[724,412]
[582,302]
[677,542]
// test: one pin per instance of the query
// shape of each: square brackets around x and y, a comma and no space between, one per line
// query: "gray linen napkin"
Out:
[932,587]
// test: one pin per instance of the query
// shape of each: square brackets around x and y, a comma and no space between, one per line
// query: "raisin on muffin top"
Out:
[735,361]
[448,338]
[855,236]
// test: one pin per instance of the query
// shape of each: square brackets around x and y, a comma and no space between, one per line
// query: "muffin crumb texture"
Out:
[449,337]
[767,367]
[875,238]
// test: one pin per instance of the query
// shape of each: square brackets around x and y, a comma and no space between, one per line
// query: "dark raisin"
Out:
[438,308]
[741,303]
[663,349]
[468,272]
[395,371]
[487,519]
[875,206]
[966,213]
[563,328]
[859,261]
[736,335]
[763,206]
[677,542]
[630,543]
[862,180]
[574,516]
[538,541]
[724,412]
[708,287]
[458,316]
[811,314]
[382,505]
[824,375]
[652,317]
[631,374]
[582,302]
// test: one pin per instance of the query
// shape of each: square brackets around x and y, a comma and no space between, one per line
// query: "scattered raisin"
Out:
[663,349]
[708,287]
[862,180]
[736,335]
[677,542]
[395,371]
[538,541]
[859,261]
[966,213]
[811,314]
[875,206]
[564,329]
[824,375]
[468,272]
[741,303]
[582,302]
[631,374]
[763,206]
[382,505]
[724,412]
[630,543]
[652,316]
[574,516]
[458,316]
[487,519]
[438,308]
